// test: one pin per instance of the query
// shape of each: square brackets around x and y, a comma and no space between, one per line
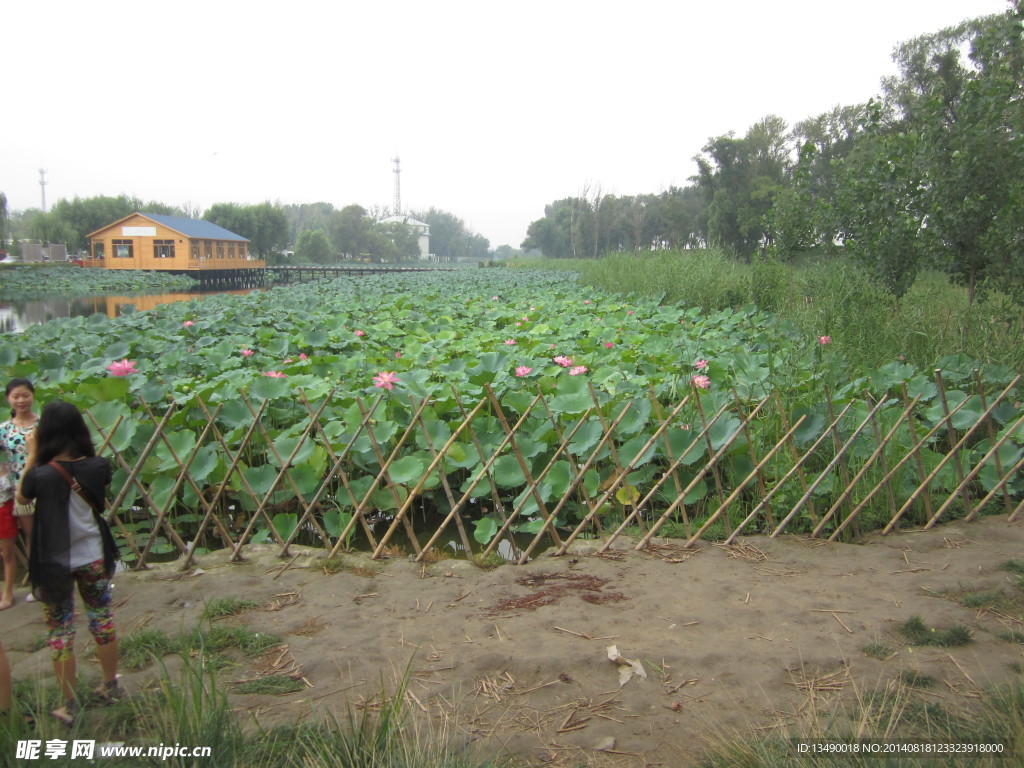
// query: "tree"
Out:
[271,229]
[313,247]
[450,238]
[964,115]
[349,230]
[235,218]
[740,179]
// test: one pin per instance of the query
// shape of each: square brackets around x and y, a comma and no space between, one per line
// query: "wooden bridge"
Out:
[287,274]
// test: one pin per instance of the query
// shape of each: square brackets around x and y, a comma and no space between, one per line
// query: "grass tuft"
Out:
[221,607]
[916,633]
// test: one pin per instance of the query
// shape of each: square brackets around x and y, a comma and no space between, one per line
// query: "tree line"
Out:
[929,174]
[318,232]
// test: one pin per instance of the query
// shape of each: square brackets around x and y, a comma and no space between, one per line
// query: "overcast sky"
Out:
[495,109]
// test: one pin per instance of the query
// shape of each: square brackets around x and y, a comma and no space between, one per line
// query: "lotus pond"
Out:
[450,338]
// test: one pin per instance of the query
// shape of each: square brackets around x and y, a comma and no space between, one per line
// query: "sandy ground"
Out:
[516,660]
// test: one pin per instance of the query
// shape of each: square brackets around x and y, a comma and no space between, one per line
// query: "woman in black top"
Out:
[71,544]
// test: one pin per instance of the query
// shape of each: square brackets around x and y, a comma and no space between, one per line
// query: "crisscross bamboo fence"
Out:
[541,479]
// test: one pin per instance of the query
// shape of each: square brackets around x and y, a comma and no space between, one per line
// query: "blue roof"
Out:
[194,228]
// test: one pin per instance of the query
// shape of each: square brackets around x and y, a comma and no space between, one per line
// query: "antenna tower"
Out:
[398,187]
[42,186]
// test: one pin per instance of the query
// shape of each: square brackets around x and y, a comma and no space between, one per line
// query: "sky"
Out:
[495,109]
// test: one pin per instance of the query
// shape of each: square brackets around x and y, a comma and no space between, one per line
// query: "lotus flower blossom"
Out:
[701,365]
[187,324]
[586,301]
[360,333]
[510,342]
[276,374]
[563,361]
[398,355]
[630,312]
[385,379]
[122,367]
[523,370]
[608,345]
[701,381]
[494,298]
[823,340]
[247,353]
[287,360]
[576,371]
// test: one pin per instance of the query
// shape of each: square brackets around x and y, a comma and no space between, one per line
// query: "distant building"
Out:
[170,244]
[421,227]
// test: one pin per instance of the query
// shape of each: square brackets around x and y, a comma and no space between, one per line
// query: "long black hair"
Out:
[62,430]
[19,382]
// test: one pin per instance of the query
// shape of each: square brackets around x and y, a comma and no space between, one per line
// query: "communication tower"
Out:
[398,187]
[42,186]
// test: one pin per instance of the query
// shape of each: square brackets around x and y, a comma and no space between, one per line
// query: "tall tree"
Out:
[740,179]
[313,247]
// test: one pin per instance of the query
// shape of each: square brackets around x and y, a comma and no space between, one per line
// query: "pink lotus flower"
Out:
[526,319]
[701,381]
[701,365]
[608,345]
[494,298]
[630,312]
[122,367]
[287,360]
[823,340]
[247,353]
[552,346]
[577,370]
[398,355]
[510,342]
[360,333]
[385,379]
[563,361]
[187,324]
[276,374]
[684,427]
[523,370]
[586,301]
[303,356]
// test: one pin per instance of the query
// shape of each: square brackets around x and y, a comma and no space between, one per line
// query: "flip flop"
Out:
[6,604]
[68,713]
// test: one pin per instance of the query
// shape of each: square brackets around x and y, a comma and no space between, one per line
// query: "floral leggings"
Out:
[94,588]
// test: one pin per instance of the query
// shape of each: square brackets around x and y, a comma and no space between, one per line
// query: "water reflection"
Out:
[16,316]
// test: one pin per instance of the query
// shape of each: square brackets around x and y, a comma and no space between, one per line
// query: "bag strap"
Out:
[76,487]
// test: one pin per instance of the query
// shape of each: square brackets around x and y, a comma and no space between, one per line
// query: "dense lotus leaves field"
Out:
[24,282]
[446,336]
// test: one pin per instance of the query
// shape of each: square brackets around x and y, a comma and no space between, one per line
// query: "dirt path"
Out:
[516,659]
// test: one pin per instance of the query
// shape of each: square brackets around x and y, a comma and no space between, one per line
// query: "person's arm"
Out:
[27,486]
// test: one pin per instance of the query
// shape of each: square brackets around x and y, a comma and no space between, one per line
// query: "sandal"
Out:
[109,690]
[68,713]
[6,604]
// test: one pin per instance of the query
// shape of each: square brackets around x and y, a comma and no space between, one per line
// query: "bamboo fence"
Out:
[751,467]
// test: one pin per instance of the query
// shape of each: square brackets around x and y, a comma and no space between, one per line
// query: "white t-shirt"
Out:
[83,533]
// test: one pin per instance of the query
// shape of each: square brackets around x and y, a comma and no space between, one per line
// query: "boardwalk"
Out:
[287,274]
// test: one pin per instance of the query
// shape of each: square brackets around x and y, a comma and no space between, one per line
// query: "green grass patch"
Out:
[272,684]
[916,632]
[994,600]
[877,650]
[1013,566]
[221,607]
[137,650]
[915,679]
[1012,636]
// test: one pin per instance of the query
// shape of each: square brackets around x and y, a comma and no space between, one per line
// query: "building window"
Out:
[195,249]
[231,250]
[208,249]
[122,249]
[97,250]
[220,250]
[163,249]
[241,251]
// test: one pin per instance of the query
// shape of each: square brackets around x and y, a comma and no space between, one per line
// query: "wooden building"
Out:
[193,247]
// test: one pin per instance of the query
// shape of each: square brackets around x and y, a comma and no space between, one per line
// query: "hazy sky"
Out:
[495,109]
